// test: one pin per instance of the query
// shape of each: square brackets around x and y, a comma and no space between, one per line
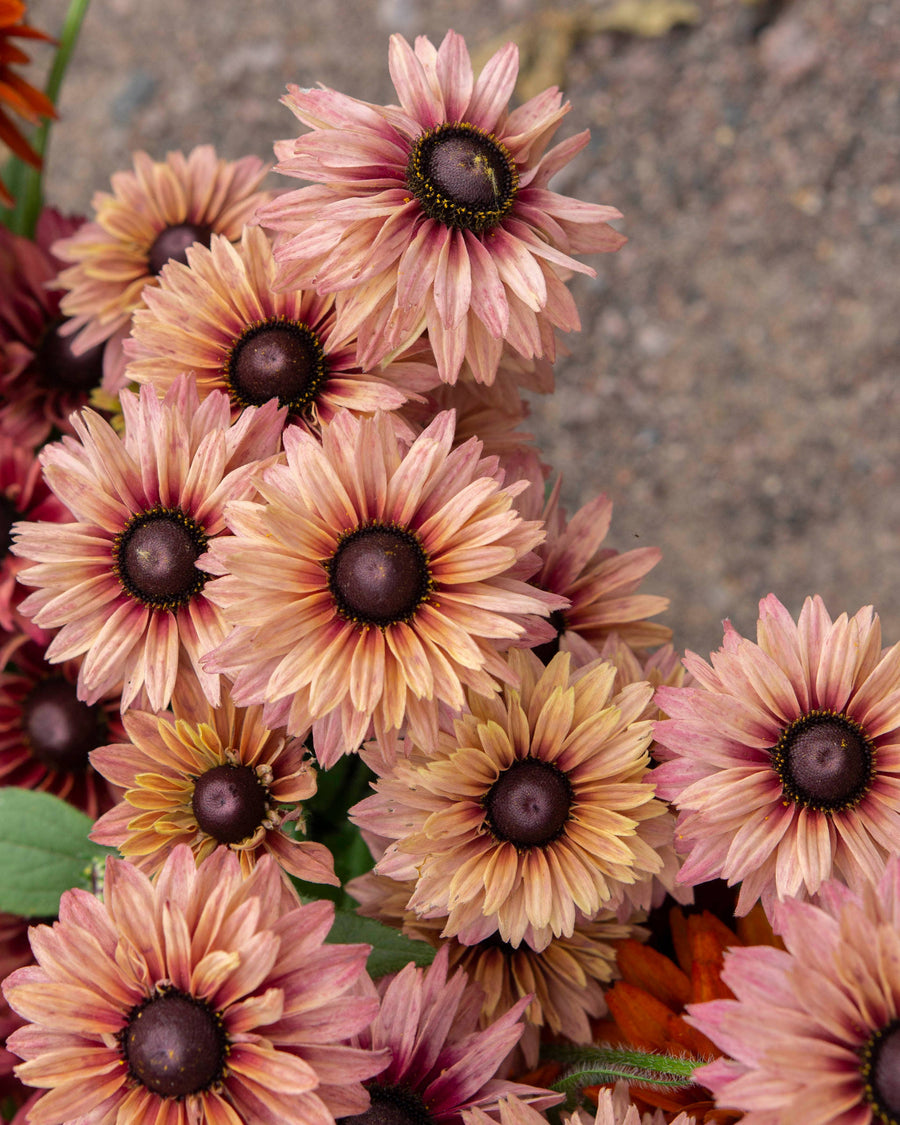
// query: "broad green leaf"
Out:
[44,850]
[391,950]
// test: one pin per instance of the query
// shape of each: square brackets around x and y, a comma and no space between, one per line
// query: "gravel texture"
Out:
[734,388]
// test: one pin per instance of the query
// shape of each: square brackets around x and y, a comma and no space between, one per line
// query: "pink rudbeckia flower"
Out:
[783,756]
[441,1063]
[202,998]
[436,214]
[615,1107]
[154,212]
[119,583]
[600,582]
[372,583]
[814,1031]
[24,495]
[41,379]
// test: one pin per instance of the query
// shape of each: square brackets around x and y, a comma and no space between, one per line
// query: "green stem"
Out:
[67,40]
[594,1066]
[24,181]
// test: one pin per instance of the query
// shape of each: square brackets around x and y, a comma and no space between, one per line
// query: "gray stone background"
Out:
[735,385]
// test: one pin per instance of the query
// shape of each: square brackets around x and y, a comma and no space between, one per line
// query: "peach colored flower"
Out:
[120,582]
[153,214]
[529,807]
[219,318]
[371,583]
[783,756]
[436,214]
[209,777]
[202,998]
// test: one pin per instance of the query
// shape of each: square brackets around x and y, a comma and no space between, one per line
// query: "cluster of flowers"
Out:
[266,512]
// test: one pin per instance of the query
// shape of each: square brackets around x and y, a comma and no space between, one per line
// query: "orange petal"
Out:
[641,1017]
[653,971]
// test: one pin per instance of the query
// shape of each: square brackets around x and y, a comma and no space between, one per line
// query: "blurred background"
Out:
[735,387]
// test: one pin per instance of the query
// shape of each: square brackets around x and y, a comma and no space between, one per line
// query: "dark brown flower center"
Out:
[229,803]
[171,244]
[379,575]
[462,176]
[276,359]
[391,1105]
[9,513]
[57,367]
[59,728]
[154,558]
[549,649]
[175,1045]
[825,761]
[881,1074]
[528,805]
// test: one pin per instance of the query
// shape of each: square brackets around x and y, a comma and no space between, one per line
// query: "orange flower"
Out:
[15,93]
[647,1005]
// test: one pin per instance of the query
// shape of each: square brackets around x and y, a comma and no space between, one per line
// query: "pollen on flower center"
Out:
[175,1045]
[276,359]
[825,761]
[57,366]
[154,558]
[59,728]
[528,805]
[379,575]
[172,244]
[391,1105]
[881,1073]
[229,802]
[462,176]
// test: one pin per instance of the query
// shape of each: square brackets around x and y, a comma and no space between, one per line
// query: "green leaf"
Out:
[351,858]
[325,821]
[44,850]
[391,950]
[8,1108]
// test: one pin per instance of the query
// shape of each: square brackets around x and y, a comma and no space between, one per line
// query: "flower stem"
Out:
[594,1066]
[24,181]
